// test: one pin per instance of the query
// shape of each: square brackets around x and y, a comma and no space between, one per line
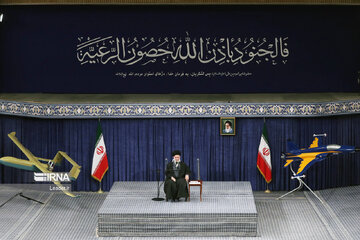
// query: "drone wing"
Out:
[43,167]
[26,151]
[308,160]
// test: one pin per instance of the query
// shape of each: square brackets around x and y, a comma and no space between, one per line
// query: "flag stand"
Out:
[100,161]
[267,188]
[264,158]
[100,191]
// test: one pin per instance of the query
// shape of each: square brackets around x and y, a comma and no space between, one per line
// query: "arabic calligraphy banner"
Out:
[143,51]
[183,49]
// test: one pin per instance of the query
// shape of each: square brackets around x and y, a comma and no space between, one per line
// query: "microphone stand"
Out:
[158,198]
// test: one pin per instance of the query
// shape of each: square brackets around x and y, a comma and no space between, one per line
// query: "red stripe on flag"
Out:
[101,168]
[264,168]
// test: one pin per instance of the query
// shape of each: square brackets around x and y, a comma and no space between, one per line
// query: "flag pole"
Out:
[267,188]
[100,151]
[267,184]
[100,191]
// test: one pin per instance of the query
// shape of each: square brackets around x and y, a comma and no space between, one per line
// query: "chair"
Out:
[196,183]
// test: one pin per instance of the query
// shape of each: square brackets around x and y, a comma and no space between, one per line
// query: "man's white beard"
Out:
[176,161]
[227,130]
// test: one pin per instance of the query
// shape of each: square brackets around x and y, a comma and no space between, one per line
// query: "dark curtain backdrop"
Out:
[137,147]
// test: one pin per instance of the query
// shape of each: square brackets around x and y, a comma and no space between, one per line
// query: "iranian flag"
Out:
[264,157]
[100,162]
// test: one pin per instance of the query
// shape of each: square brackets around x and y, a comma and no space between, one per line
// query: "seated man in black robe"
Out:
[177,176]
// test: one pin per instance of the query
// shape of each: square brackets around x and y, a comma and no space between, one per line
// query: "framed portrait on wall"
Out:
[227,126]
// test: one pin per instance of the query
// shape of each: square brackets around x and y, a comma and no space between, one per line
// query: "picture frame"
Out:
[227,126]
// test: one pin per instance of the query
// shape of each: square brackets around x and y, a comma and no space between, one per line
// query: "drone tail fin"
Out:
[288,162]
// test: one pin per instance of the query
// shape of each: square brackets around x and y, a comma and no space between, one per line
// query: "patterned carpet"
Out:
[298,216]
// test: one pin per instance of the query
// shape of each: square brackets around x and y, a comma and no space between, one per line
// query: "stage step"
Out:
[227,209]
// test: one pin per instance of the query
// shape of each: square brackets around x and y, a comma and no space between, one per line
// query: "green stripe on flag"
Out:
[98,134]
[265,134]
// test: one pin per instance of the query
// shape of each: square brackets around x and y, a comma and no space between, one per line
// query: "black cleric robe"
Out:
[178,189]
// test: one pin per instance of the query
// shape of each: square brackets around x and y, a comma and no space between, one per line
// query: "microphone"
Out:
[198,168]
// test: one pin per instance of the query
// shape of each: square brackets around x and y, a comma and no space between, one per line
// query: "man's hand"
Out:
[187,177]
[172,178]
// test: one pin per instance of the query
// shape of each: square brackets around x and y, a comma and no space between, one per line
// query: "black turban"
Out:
[230,123]
[176,152]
